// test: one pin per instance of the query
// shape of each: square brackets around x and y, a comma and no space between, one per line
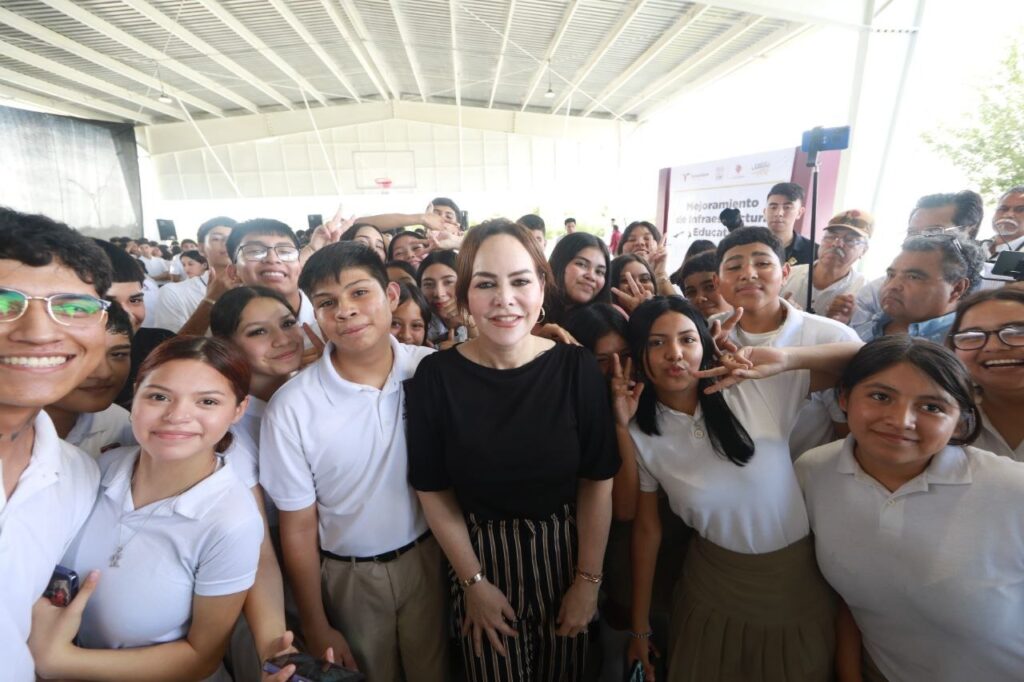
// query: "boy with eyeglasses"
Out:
[844,241]
[52,320]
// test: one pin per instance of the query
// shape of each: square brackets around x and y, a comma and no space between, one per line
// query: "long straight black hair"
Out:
[728,436]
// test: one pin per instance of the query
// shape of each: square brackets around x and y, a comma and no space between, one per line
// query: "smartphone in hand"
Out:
[311,669]
[63,586]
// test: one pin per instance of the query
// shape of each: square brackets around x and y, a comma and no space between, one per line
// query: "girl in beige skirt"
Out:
[751,605]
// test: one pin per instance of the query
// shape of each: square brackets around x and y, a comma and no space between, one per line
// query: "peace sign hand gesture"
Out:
[633,296]
[625,391]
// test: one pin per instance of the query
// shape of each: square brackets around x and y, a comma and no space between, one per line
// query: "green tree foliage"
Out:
[989,146]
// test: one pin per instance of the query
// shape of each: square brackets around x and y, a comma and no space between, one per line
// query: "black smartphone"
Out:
[63,586]
[464,221]
[1009,264]
[314,220]
[311,669]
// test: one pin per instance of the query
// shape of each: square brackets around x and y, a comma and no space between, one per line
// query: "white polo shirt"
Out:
[206,542]
[37,524]
[342,445]
[751,509]
[243,455]
[814,423]
[990,439]
[96,432]
[306,315]
[821,299]
[178,300]
[934,572]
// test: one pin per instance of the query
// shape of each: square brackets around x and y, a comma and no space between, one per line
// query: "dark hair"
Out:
[698,247]
[219,221]
[730,218]
[619,263]
[749,235]
[1003,294]
[590,323]
[445,257]
[401,234]
[119,321]
[445,201]
[226,314]
[655,233]
[402,265]
[970,208]
[965,262]
[476,237]
[568,220]
[937,362]
[258,226]
[222,356]
[790,190]
[36,241]
[352,232]
[728,436]
[124,266]
[329,262]
[190,241]
[565,250]
[196,256]
[702,262]
[410,293]
[532,221]
[165,253]
[175,250]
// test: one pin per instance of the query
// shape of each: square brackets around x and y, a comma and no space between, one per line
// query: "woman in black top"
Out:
[515,483]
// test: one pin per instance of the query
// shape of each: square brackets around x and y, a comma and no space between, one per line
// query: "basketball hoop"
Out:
[383,184]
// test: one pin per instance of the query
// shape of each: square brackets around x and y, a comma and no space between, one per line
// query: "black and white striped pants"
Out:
[533,562]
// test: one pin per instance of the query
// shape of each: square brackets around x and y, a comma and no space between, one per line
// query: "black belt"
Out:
[379,558]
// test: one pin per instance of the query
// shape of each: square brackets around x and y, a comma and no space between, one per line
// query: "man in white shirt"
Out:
[177,269]
[366,573]
[843,243]
[156,267]
[51,338]
[1008,222]
[180,300]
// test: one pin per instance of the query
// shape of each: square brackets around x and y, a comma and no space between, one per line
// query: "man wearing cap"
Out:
[845,240]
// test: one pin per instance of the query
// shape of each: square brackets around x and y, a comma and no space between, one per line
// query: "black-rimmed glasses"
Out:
[975,339]
[286,253]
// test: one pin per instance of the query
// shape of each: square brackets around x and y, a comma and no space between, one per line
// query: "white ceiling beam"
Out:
[57,40]
[778,10]
[114,33]
[311,43]
[52,106]
[556,40]
[706,53]
[501,55]
[667,38]
[410,55]
[216,9]
[455,54]
[205,49]
[609,41]
[363,47]
[82,78]
[75,97]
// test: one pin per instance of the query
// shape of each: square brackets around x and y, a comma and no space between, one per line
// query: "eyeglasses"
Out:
[71,310]
[286,253]
[975,339]
[848,240]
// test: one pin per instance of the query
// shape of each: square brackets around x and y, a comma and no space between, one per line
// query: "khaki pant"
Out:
[394,614]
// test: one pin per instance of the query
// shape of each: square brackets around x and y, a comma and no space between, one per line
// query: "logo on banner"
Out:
[762,168]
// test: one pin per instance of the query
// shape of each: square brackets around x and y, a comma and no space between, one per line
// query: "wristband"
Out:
[209,300]
[472,580]
[591,577]
[641,635]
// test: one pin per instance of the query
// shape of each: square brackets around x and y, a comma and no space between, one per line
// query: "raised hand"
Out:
[659,259]
[625,391]
[750,362]
[841,308]
[633,296]
[720,332]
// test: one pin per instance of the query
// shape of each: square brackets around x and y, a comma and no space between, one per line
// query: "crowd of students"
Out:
[429,453]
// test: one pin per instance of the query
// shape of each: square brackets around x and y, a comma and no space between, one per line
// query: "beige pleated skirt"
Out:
[752,617]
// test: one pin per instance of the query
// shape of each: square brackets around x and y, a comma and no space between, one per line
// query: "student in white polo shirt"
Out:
[750,603]
[51,338]
[988,337]
[87,416]
[921,534]
[171,546]
[751,273]
[366,574]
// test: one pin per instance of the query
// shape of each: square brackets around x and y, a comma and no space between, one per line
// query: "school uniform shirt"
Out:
[511,443]
[243,454]
[814,423]
[752,509]
[150,300]
[205,542]
[176,268]
[155,266]
[97,432]
[991,440]
[307,315]
[328,441]
[821,299]
[37,524]
[933,572]
[178,300]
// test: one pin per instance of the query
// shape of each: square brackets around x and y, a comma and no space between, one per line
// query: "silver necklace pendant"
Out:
[115,558]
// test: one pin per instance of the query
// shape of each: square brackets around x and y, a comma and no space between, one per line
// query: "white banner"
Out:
[699,192]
